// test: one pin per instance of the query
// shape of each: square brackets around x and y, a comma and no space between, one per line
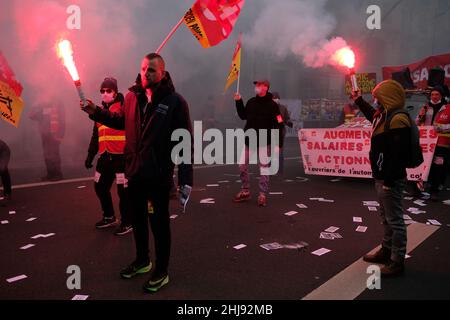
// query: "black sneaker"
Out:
[135,268]
[123,229]
[106,223]
[156,282]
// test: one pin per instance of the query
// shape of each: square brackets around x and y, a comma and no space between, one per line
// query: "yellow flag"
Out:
[235,65]
[11,105]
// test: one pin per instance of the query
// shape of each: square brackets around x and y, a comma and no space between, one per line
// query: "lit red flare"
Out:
[65,53]
[345,57]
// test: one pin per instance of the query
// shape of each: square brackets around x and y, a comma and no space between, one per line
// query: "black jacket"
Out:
[260,113]
[148,130]
[388,150]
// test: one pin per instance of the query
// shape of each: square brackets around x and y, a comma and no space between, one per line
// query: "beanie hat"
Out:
[110,83]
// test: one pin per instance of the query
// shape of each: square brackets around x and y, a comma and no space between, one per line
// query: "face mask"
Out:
[108,97]
[258,91]
[435,103]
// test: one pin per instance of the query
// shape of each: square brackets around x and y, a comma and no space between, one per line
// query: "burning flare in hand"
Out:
[65,53]
[345,57]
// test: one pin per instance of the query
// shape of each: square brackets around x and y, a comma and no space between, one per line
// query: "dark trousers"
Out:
[108,166]
[4,172]
[438,173]
[140,193]
[391,212]
[52,155]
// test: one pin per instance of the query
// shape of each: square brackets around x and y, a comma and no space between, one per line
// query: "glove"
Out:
[185,193]
[355,95]
[88,162]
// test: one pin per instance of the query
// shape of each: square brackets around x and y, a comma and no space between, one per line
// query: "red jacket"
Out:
[442,125]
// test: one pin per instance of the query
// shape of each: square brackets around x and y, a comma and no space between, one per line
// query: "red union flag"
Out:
[11,104]
[7,76]
[212,21]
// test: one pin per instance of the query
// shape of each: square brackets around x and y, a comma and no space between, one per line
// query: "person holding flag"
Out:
[261,113]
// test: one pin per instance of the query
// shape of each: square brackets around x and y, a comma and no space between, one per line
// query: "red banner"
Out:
[420,70]
[212,21]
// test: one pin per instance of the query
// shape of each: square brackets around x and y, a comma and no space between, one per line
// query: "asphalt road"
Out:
[204,263]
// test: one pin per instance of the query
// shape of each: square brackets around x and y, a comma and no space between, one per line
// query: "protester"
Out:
[437,113]
[387,156]
[110,144]
[260,112]
[5,155]
[51,120]
[152,111]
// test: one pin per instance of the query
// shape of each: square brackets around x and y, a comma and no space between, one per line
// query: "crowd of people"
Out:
[132,139]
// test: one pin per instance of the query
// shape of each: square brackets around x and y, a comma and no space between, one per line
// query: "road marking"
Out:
[352,281]
[48,183]
[42,184]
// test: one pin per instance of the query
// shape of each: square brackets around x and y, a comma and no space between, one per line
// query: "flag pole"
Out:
[170,35]
[238,81]
[240,67]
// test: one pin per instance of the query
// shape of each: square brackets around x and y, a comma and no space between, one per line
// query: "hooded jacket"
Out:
[148,130]
[389,150]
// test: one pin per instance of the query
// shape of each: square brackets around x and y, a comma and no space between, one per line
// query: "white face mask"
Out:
[437,102]
[108,97]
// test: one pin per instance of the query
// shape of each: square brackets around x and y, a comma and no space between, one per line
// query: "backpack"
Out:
[415,156]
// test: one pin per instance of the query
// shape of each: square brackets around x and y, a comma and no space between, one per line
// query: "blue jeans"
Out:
[391,212]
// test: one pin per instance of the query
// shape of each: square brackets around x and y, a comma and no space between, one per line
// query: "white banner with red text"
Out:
[344,152]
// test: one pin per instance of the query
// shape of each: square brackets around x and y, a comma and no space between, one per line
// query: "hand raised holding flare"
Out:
[89,108]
